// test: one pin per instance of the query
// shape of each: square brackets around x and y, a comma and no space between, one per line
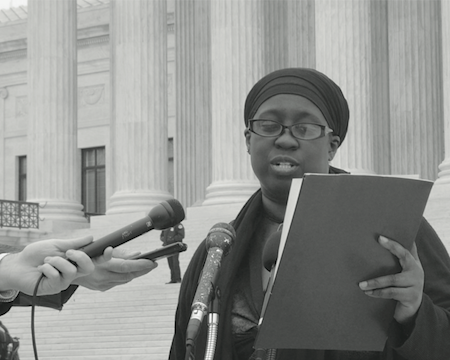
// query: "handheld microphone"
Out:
[218,243]
[166,214]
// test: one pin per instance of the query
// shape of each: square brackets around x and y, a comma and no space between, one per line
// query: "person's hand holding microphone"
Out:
[55,259]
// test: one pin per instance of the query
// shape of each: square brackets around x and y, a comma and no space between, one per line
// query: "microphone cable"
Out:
[33,306]
[213,325]
[190,352]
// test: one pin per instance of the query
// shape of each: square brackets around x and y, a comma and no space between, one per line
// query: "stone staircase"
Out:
[132,321]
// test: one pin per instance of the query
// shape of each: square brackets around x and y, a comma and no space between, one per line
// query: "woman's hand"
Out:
[117,271]
[406,287]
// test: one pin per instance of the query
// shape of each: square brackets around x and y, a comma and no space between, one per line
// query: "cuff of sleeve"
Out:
[7,295]
[410,339]
[55,301]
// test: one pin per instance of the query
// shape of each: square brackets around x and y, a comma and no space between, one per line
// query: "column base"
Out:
[444,173]
[16,239]
[223,192]
[358,171]
[131,202]
[437,211]
[60,215]
[64,210]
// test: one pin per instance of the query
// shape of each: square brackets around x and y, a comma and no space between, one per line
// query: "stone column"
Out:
[248,40]
[3,96]
[193,100]
[139,133]
[53,168]
[300,34]
[438,207]
[415,87]
[352,50]
[444,167]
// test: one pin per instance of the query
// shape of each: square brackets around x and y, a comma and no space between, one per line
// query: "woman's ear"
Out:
[247,135]
[335,141]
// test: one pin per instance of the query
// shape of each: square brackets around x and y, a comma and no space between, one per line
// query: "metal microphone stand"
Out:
[213,325]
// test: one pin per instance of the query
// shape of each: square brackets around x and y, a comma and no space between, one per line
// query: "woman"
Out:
[296,120]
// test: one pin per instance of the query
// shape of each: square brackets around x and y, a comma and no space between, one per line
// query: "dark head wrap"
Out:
[309,83]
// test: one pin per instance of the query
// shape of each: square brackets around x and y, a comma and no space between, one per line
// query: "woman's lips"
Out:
[284,166]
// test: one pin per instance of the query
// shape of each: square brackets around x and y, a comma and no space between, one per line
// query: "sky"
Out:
[6,4]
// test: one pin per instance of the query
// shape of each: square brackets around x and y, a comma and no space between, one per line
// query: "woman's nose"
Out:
[286,139]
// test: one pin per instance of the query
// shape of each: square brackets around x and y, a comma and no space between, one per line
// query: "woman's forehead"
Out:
[289,105]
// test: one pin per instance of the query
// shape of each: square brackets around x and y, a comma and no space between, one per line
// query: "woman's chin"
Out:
[277,195]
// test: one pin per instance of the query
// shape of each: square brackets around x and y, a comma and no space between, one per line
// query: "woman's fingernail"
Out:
[363,284]
[382,240]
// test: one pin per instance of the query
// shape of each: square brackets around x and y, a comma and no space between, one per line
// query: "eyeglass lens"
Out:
[273,128]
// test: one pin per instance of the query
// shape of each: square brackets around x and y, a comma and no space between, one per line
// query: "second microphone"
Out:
[164,215]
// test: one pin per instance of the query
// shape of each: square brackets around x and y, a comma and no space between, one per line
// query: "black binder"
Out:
[328,245]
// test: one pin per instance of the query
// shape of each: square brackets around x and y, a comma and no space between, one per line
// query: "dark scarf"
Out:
[245,225]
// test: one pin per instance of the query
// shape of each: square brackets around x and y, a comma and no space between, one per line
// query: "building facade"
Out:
[133,102]
[108,107]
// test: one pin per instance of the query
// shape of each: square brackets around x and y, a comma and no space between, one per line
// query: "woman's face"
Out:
[277,160]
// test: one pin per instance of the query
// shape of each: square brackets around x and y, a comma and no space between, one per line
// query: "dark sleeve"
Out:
[55,301]
[187,293]
[429,338]
[5,307]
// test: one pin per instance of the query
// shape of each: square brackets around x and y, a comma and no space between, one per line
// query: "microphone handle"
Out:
[204,293]
[118,237]
[208,278]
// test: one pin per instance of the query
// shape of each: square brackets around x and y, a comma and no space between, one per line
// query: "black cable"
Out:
[189,352]
[33,305]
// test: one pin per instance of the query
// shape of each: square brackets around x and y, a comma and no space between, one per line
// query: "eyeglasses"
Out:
[271,128]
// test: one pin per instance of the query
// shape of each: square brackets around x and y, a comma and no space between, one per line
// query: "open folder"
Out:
[328,245]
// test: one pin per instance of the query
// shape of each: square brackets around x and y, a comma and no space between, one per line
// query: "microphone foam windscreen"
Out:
[166,214]
[177,209]
[221,235]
